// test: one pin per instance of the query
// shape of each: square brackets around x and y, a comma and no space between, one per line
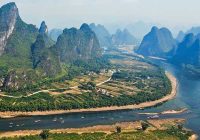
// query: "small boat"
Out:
[17,125]
[55,119]
[153,117]
[37,121]
[62,121]
[82,117]
[10,123]
[10,126]
[111,118]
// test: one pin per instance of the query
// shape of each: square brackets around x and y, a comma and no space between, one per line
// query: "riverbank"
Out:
[170,96]
[160,124]
[165,112]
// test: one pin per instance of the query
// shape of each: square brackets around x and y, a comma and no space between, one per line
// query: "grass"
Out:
[138,135]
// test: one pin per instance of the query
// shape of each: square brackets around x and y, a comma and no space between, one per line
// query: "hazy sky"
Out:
[67,13]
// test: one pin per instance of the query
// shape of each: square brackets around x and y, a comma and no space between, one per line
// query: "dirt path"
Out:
[170,96]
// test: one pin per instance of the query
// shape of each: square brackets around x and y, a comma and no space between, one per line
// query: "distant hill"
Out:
[74,44]
[194,30]
[158,42]
[102,34]
[123,38]
[139,29]
[54,34]
[180,36]
[188,51]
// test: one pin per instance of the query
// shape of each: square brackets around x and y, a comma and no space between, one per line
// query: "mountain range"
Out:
[188,51]
[31,56]
[103,35]
[28,55]
[120,37]
[183,52]
[139,29]
[55,33]
[193,30]
[123,37]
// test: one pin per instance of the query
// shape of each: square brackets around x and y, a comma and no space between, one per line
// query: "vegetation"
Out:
[171,133]
[32,60]
[32,64]
[144,125]
[133,83]
[88,86]
[44,134]
[118,129]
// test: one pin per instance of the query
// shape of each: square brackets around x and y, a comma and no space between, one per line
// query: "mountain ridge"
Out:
[123,37]
[28,55]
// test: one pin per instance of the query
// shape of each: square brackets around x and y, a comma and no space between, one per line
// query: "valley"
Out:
[92,81]
[126,86]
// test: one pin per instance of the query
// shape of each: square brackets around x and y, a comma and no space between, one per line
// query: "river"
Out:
[188,97]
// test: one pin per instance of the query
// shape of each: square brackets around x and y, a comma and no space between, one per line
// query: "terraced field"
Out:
[130,80]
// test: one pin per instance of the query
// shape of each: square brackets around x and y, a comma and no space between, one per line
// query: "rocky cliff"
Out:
[28,56]
[8,18]
[74,44]
[44,55]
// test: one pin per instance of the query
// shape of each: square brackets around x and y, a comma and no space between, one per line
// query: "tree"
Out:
[44,134]
[118,129]
[144,125]
[180,126]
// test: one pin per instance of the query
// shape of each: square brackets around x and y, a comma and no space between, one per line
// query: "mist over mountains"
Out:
[183,51]
[188,51]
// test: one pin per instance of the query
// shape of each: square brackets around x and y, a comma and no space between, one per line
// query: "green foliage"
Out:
[93,64]
[183,135]
[45,58]
[3,70]
[92,99]
[145,125]
[18,47]
[180,126]
[139,135]
[88,86]
[118,129]
[44,134]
